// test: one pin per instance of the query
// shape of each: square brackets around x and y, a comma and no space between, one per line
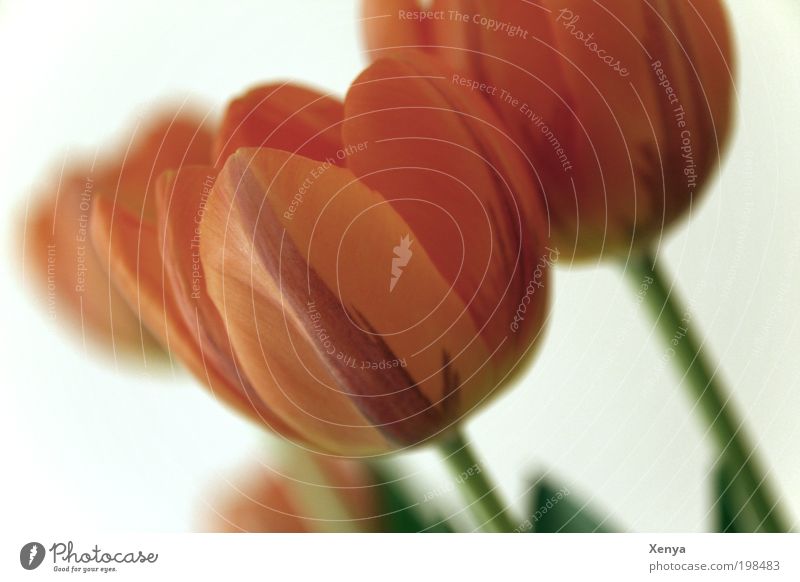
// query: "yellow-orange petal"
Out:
[269,340]
[282,116]
[181,198]
[311,278]
[128,250]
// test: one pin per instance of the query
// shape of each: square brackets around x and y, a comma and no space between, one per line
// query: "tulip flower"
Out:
[57,246]
[356,276]
[306,493]
[623,106]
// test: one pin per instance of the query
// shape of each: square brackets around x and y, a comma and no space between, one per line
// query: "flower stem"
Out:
[702,379]
[485,505]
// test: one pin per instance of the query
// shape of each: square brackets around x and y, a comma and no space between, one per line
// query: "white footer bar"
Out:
[389,557]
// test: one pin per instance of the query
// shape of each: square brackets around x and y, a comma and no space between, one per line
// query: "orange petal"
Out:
[694,47]
[592,112]
[316,272]
[393,25]
[269,339]
[285,117]
[128,249]
[614,176]
[181,199]
[307,493]
[390,24]
[168,140]
[74,285]
[525,83]
[444,161]
[259,507]
[59,230]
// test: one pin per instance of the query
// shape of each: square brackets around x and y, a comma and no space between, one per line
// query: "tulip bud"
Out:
[304,494]
[361,300]
[623,106]
[58,247]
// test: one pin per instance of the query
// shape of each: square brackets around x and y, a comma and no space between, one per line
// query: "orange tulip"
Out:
[57,243]
[311,493]
[358,276]
[623,106]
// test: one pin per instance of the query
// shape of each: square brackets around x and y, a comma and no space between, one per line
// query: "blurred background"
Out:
[105,447]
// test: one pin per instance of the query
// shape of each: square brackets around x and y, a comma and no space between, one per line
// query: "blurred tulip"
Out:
[623,106]
[306,493]
[359,282]
[58,249]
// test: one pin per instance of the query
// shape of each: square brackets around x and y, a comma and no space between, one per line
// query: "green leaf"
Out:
[400,512]
[556,509]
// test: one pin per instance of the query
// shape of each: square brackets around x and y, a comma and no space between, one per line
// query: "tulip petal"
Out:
[74,284]
[285,117]
[128,249]
[274,351]
[386,26]
[586,76]
[305,493]
[443,160]
[619,134]
[181,198]
[59,229]
[261,508]
[169,140]
[311,279]
[693,47]
[393,25]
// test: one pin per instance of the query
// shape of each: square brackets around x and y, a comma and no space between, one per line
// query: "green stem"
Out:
[706,388]
[486,507]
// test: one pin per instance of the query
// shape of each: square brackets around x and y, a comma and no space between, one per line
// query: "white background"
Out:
[86,446]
